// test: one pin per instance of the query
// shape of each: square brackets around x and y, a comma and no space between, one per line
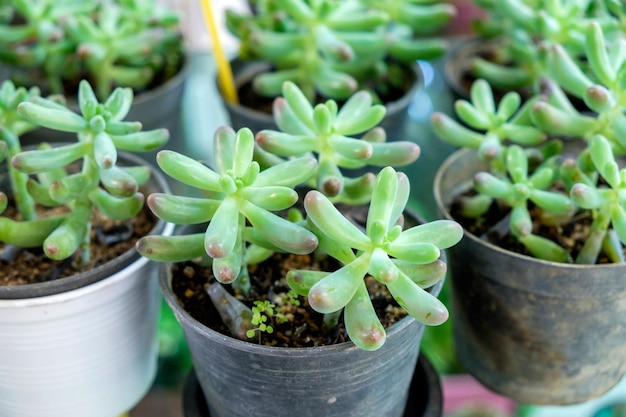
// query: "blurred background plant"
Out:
[530,145]
[334,48]
[99,182]
[523,31]
[55,44]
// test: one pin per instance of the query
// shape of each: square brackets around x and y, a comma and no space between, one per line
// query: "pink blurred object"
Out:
[463,390]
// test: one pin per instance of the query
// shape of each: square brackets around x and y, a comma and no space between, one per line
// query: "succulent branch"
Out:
[96,183]
[403,260]
[325,132]
[243,193]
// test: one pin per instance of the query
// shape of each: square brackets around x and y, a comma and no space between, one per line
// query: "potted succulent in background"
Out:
[331,49]
[80,305]
[509,50]
[334,264]
[126,43]
[537,280]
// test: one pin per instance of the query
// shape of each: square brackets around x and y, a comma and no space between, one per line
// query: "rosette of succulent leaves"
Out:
[524,30]
[586,168]
[243,228]
[329,47]
[54,44]
[44,175]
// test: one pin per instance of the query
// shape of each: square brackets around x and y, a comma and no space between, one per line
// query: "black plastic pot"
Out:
[246,379]
[255,119]
[425,395]
[459,63]
[538,332]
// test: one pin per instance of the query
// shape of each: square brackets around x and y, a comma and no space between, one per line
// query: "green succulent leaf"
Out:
[28,234]
[545,249]
[138,141]
[119,103]
[288,236]
[41,160]
[453,132]
[362,323]
[321,212]
[118,182]
[176,248]
[382,267]
[418,302]
[298,103]
[188,171]
[52,118]
[441,233]
[66,238]
[285,144]
[271,198]
[302,280]
[334,291]
[424,275]
[116,208]
[221,234]
[288,120]
[287,174]
[182,210]
[66,189]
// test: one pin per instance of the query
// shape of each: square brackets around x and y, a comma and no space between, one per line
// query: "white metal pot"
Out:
[84,345]
[90,352]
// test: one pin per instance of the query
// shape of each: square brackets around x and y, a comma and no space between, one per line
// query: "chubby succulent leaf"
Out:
[45,159]
[176,248]
[362,323]
[419,303]
[334,291]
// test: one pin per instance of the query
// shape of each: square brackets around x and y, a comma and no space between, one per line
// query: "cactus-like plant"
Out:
[330,48]
[54,44]
[241,196]
[563,183]
[97,183]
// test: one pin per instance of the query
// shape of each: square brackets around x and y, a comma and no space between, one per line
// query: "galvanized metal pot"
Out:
[538,332]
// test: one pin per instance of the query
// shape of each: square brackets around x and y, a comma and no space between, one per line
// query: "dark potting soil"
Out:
[493,227]
[109,240]
[398,81]
[303,327]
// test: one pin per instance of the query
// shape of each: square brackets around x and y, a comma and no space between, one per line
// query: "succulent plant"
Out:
[331,47]
[326,131]
[54,44]
[97,183]
[568,165]
[241,192]
[527,29]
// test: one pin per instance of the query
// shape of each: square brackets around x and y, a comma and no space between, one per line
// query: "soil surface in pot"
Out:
[394,86]
[303,327]
[109,239]
[493,228]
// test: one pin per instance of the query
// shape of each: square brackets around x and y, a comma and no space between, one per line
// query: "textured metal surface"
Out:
[538,332]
